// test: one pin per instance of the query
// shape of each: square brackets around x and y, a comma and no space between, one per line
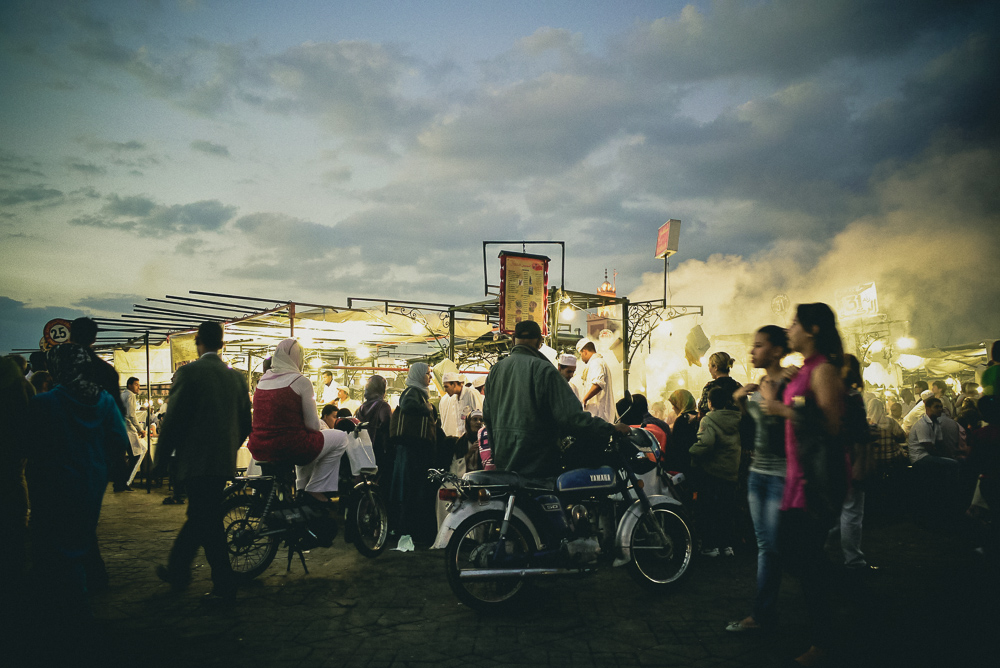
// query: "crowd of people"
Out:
[795,453]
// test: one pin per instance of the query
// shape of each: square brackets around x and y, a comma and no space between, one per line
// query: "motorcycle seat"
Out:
[509,479]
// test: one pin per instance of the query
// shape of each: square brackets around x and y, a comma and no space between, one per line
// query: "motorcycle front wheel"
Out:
[250,550]
[657,563]
[370,521]
[472,548]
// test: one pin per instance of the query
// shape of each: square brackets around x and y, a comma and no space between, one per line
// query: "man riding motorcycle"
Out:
[529,407]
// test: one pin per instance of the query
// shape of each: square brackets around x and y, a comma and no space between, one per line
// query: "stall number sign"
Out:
[56,332]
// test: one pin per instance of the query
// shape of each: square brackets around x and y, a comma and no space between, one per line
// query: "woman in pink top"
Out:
[803,529]
[286,427]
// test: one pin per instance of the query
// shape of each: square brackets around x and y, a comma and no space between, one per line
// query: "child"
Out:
[715,459]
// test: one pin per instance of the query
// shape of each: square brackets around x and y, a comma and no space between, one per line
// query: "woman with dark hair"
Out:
[766,482]
[817,464]
[719,366]
[636,412]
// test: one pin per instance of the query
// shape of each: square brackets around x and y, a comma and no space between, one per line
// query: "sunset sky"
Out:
[320,150]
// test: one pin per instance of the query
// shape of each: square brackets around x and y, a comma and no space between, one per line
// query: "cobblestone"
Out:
[397,610]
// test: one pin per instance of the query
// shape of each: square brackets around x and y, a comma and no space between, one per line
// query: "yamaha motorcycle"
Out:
[503,529]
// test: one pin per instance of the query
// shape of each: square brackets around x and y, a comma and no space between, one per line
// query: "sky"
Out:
[316,151]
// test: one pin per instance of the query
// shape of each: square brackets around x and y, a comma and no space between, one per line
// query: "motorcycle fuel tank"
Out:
[579,480]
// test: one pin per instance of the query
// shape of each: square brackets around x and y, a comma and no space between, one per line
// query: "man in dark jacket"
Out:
[209,419]
[529,406]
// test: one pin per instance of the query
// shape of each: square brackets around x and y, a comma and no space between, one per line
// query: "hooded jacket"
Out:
[717,450]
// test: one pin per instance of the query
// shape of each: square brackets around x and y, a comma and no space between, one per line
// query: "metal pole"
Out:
[451,335]
[625,346]
[149,407]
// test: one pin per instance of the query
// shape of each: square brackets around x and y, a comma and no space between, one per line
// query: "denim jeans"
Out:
[764,496]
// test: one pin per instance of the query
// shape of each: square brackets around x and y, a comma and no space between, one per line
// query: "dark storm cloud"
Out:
[23,324]
[210,148]
[31,195]
[147,218]
[782,39]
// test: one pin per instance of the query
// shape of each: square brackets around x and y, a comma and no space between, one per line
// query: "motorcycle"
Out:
[503,529]
[260,512]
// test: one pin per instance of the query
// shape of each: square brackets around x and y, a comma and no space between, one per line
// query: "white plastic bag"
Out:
[360,452]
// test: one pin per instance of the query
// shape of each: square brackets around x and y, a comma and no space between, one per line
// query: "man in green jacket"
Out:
[529,407]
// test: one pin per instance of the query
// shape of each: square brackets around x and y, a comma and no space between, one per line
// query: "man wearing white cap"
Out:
[598,392]
[457,405]
[344,400]
[567,367]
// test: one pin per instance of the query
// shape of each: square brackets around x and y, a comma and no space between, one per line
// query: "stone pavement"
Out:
[927,606]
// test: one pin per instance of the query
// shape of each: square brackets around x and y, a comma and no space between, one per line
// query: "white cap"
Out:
[479,381]
[926,394]
[581,343]
[451,377]
[567,360]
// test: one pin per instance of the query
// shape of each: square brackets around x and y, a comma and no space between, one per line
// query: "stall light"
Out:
[316,363]
[910,362]
[980,390]
[680,382]
[950,382]
[906,343]
[567,314]
[159,401]
[876,347]
[362,352]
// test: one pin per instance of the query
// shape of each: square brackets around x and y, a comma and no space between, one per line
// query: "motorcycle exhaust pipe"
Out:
[494,573]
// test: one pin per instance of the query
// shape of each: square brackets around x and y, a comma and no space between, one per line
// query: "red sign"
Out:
[666,239]
[524,290]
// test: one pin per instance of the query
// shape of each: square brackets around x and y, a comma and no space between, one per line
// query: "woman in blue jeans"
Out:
[767,475]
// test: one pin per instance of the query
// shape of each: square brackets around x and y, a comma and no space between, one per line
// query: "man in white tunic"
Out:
[598,391]
[567,369]
[136,433]
[457,405]
[344,400]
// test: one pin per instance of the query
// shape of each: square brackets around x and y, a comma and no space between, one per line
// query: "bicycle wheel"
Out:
[251,550]
[657,564]
[472,548]
[370,521]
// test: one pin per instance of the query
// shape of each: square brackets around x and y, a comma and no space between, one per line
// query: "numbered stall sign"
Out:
[56,333]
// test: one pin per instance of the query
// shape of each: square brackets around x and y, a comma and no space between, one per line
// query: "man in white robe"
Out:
[598,391]
[456,405]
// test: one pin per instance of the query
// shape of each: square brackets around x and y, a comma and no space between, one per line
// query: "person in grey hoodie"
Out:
[715,459]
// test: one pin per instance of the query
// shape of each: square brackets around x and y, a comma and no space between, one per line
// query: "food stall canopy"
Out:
[132,362]
[953,359]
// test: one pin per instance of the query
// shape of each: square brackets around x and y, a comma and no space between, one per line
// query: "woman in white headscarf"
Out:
[286,427]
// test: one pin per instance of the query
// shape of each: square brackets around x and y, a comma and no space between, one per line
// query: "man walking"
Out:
[130,398]
[209,419]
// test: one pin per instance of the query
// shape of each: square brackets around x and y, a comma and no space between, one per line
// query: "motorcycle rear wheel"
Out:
[370,522]
[250,553]
[469,550]
[657,565]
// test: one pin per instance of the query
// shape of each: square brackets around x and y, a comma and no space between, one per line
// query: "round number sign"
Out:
[56,332]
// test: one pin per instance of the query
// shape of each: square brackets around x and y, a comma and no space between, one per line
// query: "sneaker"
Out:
[728,552]
[710,552]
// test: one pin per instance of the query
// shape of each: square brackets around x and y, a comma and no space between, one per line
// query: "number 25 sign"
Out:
[56,332]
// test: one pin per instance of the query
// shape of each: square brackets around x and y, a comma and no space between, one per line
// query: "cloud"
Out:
[109,303]
[210,148]
[146,217]
[781,40]
[24,324]
[31,195]
[88,168]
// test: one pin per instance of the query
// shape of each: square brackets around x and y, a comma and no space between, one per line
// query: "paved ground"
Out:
[927,606]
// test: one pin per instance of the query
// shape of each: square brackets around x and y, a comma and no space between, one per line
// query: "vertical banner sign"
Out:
[183,350]
[524,290]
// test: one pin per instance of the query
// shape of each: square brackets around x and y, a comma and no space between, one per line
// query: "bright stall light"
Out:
[316,362]
[567,314]
[950,382]
[362,352]
[910,362]
[906,343]
[876,347]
